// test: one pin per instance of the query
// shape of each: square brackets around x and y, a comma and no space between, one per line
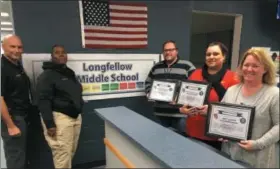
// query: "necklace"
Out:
[254,103]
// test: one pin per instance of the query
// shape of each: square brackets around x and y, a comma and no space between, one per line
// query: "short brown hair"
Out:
[264,58]
[169,41]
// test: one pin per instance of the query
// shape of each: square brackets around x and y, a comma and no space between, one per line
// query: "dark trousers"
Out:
[39,154]
[30,150]
[177,123]
[15,147]
[214,145]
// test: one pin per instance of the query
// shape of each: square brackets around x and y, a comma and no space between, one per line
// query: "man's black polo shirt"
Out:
[15,87]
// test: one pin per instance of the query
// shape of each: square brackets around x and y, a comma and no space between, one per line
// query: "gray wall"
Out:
[44,23]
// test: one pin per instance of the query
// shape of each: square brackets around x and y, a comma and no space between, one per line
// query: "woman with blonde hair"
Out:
[257,88]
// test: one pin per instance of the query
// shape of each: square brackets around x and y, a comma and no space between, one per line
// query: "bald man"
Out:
[18,113]
[15,102]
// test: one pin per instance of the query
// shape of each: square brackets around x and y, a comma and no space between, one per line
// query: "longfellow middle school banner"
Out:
[102,76]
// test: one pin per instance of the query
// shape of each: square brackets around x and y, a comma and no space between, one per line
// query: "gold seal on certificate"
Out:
[229,121]
[193,93]
[163,90]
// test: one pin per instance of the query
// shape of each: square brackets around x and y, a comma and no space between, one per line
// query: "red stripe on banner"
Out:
[123,86]
[128,11]
[128,18]
[114,32]
[128,4]
[131,85]
[115,39]
[128,26]
[115,46]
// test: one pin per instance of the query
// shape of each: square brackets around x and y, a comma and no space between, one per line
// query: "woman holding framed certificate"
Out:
[257,88]
[216,73]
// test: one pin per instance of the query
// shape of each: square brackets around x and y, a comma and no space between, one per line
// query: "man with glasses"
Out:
[171,68]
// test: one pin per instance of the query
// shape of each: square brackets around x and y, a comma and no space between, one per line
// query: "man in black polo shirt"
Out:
[15,102]
[171,68]
[21,129]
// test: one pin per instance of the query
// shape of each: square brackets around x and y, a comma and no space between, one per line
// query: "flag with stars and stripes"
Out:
[113,24]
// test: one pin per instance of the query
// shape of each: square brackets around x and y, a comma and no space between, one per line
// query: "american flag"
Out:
[113,24]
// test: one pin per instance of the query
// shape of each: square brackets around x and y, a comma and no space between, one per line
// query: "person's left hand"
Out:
[246,144]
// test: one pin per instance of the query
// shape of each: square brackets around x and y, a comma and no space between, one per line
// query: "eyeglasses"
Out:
[169,50]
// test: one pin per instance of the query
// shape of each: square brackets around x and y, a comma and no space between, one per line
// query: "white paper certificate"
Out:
[162,91]
[230,122]
[192,94]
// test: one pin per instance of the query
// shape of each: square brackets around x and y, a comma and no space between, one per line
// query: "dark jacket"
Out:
[58,90]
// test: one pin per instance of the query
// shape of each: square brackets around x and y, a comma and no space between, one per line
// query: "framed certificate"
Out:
[193,93]
[163,90]
[229,121]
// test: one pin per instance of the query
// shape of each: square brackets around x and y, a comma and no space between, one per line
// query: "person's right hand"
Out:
[172,103]
[52,132]
[186,110]
[149,100]
[223,140]
[14,131]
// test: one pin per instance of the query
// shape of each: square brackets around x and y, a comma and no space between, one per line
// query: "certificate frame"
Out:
[227,110]
[193,82]
[173,93]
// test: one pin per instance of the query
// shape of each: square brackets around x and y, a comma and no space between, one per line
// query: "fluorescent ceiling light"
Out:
[4,14]
[6,29]
[6,23]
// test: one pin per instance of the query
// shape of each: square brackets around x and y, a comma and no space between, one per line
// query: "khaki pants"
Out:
[67,136]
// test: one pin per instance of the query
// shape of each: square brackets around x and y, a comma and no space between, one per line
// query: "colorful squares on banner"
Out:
[140,85]
[86,88]
[123,86]
[114,86]
[132,85]
[95,88]
[105,87]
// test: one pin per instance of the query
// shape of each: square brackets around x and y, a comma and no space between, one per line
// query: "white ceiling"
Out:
[209,22]
[6,21]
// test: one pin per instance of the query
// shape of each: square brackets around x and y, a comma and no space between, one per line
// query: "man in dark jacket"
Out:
[59,99]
